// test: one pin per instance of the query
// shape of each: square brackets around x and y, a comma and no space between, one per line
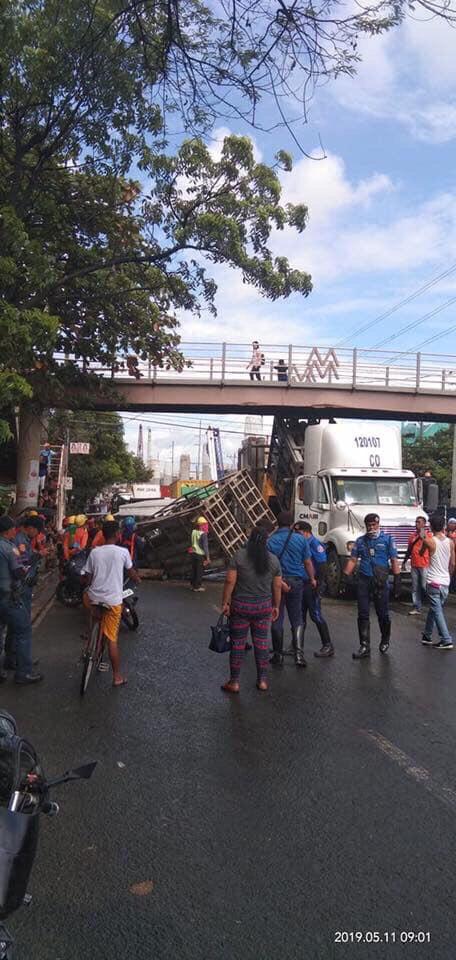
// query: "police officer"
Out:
[13,612]
[376,552]
[311,599]
[294,554]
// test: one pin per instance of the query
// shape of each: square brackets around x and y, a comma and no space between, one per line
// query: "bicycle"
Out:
[92,655]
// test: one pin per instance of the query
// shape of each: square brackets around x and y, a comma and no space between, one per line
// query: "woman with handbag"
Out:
[253,575]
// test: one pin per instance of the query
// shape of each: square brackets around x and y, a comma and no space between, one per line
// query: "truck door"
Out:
[312,503]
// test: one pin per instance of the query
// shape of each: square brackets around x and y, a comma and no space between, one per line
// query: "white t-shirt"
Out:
[107,565]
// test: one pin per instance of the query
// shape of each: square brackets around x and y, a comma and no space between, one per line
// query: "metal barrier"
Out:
[287,365]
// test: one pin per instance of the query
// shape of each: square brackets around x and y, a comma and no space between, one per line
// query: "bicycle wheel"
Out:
[89,656]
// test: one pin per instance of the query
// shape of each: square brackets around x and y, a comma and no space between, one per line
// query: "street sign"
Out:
[79,447]
[146,491]
[68,483]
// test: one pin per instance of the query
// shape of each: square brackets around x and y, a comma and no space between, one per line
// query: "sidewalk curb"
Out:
[44,600]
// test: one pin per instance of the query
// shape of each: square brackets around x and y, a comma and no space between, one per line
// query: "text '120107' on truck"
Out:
[333,473]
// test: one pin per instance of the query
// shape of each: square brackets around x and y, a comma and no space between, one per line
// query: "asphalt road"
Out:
[256,827]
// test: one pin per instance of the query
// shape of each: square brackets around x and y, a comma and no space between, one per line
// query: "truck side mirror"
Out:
[431,497]
[309,493]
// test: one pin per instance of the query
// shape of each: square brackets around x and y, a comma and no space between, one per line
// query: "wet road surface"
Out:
[244,828]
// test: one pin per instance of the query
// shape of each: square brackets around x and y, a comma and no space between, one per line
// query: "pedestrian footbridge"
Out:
[309,380]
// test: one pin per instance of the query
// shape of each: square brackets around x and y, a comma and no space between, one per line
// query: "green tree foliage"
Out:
[109,460]
[103,235]
[434,454]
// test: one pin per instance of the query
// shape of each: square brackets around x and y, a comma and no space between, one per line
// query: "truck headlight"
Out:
[322,528]
[349,545]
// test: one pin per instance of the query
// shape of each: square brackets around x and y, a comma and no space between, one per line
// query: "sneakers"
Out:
[426,642]
[443,645]
[414,612]
[199,589]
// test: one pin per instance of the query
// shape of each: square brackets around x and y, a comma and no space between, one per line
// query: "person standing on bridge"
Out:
[255,362]
[376,552]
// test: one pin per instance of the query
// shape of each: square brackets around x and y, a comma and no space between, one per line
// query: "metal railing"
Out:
[288,365]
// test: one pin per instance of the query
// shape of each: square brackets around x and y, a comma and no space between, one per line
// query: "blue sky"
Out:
[382,208]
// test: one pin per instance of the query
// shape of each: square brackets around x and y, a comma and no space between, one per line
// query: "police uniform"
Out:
[374,555]
[13,612]
[311,599]
[292,550]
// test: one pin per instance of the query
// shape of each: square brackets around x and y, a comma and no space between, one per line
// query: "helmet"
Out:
[71,521]
[32,513]
[201,520]
[108,518]
[129,522]
[80,519]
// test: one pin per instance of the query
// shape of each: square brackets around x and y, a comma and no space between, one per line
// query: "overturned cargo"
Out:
[232,506]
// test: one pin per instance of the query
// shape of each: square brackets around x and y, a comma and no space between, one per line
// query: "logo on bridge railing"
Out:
[325,368]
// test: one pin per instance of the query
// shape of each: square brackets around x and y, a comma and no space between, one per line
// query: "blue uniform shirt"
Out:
[296,551]
[24,546]
[317,550]
[374,551]
[9,568]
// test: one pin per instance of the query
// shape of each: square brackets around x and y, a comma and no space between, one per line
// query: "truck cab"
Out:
[342,471]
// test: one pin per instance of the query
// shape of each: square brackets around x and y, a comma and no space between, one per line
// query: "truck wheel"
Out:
[333,574]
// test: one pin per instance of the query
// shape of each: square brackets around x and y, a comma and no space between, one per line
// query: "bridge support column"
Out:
[28,457]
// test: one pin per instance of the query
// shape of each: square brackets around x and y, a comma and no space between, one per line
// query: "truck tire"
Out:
[333,574]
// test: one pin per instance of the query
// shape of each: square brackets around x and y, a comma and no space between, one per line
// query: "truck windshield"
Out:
[368,490]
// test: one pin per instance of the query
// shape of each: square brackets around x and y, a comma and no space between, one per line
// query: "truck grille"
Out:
[400,534]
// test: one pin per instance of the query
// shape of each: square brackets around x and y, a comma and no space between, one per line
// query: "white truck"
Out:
[333,473]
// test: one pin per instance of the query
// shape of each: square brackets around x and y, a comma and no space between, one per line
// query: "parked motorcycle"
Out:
[24,795]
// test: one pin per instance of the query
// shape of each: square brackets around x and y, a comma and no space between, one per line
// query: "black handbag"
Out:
[220,639]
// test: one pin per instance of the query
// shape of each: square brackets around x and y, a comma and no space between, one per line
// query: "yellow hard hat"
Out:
[201,520]
[80,519]
[71,521]
[109,518]
[32,513]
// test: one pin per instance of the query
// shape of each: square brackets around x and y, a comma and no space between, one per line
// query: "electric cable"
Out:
[397,306]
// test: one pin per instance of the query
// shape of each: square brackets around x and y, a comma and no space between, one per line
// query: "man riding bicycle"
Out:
[103,574]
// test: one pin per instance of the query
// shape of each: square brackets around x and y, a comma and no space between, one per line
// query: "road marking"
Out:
[420,774]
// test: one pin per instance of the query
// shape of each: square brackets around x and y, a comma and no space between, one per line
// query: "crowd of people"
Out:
[283,571]
[26,543]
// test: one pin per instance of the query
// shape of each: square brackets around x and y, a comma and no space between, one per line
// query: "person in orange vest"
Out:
[130,540]
[75,537]
[99,538]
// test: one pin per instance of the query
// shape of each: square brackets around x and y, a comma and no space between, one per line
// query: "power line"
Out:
[189,427]
[415,323]
[397,306]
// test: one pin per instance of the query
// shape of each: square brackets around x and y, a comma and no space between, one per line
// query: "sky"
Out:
[382,219]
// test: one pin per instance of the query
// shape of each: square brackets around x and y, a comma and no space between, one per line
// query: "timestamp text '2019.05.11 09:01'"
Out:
[382,936]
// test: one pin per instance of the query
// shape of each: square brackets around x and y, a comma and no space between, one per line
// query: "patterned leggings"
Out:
[255,614]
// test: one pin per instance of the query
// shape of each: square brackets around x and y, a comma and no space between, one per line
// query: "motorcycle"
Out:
[24,795]
[69,591]
[129,616]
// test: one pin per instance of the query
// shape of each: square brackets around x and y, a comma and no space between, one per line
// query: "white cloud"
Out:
[409,76]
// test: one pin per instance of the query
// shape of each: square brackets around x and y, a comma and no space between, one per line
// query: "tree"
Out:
[109,460]
[104,237]
[434,454]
